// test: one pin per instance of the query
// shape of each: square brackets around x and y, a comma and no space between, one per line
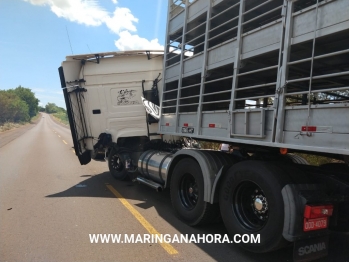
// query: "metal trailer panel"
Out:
[172,73]
[197,8]
[275,68]
[262,37]
[177,21]
[192,65]
[328,15]
[219,56]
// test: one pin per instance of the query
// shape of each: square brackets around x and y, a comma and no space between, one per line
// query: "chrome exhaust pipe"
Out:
[150,183]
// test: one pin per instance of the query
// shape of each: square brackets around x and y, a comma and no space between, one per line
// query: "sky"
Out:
[34,37]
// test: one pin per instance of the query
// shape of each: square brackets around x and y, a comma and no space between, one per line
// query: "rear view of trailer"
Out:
[267,73]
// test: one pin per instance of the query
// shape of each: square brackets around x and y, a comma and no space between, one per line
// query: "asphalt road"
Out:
[49,205]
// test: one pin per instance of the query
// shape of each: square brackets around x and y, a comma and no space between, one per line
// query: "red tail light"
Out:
[318,211]
[316,217]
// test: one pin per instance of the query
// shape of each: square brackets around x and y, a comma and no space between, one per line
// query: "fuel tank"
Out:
[153,165]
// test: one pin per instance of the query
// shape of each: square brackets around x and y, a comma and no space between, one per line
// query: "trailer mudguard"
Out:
[295,197]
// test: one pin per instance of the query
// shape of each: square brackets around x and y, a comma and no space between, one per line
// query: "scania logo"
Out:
[311,249]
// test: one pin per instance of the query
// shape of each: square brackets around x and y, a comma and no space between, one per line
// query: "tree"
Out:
[52,108]
[12,107]
[28,97]
[61,109]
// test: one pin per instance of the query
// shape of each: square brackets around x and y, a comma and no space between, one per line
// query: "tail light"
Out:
[318,211]
[316,217]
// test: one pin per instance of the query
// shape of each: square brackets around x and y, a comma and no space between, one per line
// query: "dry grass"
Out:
[8,126]
[61,117]
[35,118]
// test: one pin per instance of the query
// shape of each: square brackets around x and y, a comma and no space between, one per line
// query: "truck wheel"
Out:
[297,159]
[116,166]
[187,194]
[251,203]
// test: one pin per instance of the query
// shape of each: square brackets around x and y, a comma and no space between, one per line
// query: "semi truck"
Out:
[269,78]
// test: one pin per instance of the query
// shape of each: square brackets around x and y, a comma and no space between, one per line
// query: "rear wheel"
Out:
[117,166]
[297,159]
[251,203]
[187,194]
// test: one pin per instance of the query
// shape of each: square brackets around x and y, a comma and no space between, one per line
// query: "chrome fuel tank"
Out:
[154,164]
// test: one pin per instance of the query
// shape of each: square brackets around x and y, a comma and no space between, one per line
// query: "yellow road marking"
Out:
[65,142]
[73,151]
[170,249]
[59,136]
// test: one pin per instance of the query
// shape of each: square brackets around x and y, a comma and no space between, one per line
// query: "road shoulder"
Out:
[10,135]
[58,122]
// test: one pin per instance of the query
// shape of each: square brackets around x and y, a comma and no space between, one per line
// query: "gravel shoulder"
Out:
[10,135]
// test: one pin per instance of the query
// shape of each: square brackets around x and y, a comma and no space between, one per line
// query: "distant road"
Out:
[49,205]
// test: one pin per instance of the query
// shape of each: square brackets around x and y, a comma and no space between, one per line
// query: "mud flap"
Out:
[310,249]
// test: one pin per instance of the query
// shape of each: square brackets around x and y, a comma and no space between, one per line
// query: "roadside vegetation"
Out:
[318,160]
[18,107]
[59,113]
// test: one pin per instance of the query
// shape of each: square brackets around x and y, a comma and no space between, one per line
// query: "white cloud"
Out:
[83,12]
[37,2]
[135,42]
[122,19]
[88,12]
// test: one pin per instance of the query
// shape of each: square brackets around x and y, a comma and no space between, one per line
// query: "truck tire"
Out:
[251,203]
[297,159]
[116,166]
[187,194]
